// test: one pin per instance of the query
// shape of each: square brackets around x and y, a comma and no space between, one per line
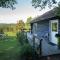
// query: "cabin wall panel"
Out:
[42,27]
[59,27]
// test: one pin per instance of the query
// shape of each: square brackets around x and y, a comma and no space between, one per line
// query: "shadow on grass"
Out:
[10,54]
[9,49]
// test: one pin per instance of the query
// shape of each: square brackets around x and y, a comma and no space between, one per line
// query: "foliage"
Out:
[26,52]
[29,19]
[43,3]
[57,35]
[1,31]
[57,10]
[21,37]
[8,27]
[7,3]
[58,38]
[47,3]
[27,24]
[20,25]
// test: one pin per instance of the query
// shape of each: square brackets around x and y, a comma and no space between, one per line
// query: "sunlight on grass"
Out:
[10,33]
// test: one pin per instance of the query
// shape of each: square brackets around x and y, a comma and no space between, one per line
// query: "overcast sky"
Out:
[23,10]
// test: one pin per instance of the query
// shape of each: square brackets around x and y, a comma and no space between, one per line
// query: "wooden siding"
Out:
[59,27]
[48,49]
[42,26]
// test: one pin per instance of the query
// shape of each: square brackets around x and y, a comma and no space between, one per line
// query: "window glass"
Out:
[54,26]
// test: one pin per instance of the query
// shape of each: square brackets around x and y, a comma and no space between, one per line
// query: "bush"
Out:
[21,37]
[26,49]
[58,37]
[26,52]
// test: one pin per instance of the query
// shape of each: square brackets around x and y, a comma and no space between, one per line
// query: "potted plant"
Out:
[58,37]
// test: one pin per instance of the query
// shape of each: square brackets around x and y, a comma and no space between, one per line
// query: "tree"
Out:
[27,24]
[7,3]
[57,9]
[1,31]
[20,25]
[28,19]
[43,3]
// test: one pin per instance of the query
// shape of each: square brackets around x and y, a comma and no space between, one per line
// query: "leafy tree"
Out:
[57,10]
[7,29]
[21,37]
[27,25]
[20,25]
[7,3]
[2,31]
[28,19]
[43,3]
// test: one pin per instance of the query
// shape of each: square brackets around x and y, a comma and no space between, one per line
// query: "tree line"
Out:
[15,27]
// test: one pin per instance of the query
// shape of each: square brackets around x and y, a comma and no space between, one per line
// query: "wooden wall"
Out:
[59,26]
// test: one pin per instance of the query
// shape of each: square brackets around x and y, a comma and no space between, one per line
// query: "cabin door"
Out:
[54,31]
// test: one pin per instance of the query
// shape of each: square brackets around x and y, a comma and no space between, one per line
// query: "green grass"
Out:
[7,43]
[10,33]
[9,49]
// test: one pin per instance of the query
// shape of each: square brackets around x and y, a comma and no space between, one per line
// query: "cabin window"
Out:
[54,27]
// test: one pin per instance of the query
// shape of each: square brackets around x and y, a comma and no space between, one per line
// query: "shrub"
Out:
[26,49]
[58,37]
[26,52]
[21,37]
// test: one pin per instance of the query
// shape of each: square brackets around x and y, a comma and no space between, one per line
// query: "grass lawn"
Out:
[9,49]
[10,33]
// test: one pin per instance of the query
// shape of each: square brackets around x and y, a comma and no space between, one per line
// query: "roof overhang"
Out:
[50,15]
[38,20]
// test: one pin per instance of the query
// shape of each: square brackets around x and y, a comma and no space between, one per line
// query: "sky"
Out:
[23,10]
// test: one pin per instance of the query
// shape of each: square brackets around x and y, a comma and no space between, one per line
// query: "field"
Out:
[10,33]
[9,48]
